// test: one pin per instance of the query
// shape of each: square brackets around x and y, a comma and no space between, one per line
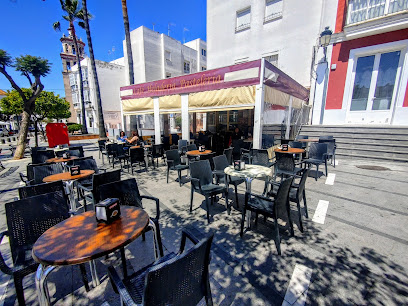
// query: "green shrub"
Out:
[74,127]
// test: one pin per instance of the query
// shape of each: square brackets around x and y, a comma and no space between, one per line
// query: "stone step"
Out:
[373,152]
[396,137]
[371,157]
[365,141]
[353,130]
[362,147]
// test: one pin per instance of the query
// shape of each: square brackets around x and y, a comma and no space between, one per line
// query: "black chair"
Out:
[29,176]
[202,182]
[41,156]
[91,193]
[331,150]
[27,220]
[182,146]
[73,151]
[119,155]
[175,279]
[156,153]
[317,156]
[128,193]
[110,151]
[296,193]
[191,147]
[41,171]
[210,158]
[270,207]
[296,144]
[285,165]
[35,190]
[237,145]
[166,143]
[304,144]
[268,141]
[228,154]
[137,156]
[326,137]
[220,163]
[174,163]
[174,139]
[101,147]
[261,157]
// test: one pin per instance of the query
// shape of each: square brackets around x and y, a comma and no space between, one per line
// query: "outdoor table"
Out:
[309,140]
[61,159]
[145,146]
[292,151]
[69,180]
[249,173]
[198,153]
[81,239]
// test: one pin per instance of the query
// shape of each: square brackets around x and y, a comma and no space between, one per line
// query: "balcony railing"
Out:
[364,10]
[242,27]
[272,16]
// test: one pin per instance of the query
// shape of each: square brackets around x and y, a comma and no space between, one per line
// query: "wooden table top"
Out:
[66,176]
[291,151]
[61,159]
[196,152]
[250,171]
[309,140]
[80,239]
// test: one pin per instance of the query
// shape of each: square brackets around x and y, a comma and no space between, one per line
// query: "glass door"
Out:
[375,83]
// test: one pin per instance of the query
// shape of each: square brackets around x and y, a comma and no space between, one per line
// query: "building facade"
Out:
[111,77]
[366,79]
[68,59]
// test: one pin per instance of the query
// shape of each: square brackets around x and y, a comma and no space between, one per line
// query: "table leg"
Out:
[155,240]
[248,189]
[94,274]
[69,186]
[41,284]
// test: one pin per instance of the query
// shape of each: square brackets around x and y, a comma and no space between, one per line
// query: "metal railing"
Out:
[364,10]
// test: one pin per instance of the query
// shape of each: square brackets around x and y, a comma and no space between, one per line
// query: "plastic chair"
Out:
[317,156]
[35,190]
[41,156]
[228,154]
[174,163]
[137,156]
[41,171]
[157,151]
[331,150]
[202,182]
[73,151]
[285,165]
[270,207]
[268,141]
[101,146]
[185,277]
[182,146]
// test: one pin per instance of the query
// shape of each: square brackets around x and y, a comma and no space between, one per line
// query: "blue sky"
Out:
[26,28]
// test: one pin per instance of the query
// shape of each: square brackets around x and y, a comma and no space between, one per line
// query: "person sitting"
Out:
[134,140]
[122,136]
[237,134]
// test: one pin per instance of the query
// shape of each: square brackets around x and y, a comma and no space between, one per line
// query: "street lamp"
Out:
[324,39]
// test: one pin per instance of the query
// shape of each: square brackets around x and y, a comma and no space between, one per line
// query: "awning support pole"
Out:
[157,133]
[288,120]
[259,107]
[185,118]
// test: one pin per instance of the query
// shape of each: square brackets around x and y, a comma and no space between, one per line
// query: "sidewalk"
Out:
[355,253]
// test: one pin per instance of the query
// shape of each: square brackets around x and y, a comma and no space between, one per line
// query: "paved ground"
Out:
[353,254]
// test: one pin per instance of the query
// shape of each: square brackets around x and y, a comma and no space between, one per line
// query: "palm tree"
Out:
[102,131]
[75,14]
[128,44]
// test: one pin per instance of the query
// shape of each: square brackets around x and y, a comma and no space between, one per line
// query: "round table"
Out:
[81,239]
[309,140]
[198,153]
[68,180]
[291,151]
[61,159]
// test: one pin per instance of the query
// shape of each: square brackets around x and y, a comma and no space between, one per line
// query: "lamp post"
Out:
[324,41]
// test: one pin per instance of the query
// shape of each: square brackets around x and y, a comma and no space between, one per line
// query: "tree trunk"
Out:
[81,85]
[102,131]
[22,136]
[36,133]
[128,44]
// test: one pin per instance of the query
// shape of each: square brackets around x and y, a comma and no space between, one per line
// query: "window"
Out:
[66,48]
[273,59]
[186,67]
[168,75]
[167,55]
[243,19]
[68,66]
[86,96]
[74,63]
[203,68]
[273,10]
[73,50]
[72,78]
[203,52]
[84,73]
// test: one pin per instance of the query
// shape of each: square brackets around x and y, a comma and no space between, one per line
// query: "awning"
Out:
[276,97]
[170,104]
[222,99]
[139,106]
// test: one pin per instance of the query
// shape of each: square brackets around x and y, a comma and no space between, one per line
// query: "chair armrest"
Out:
[218,172]
[83,188]
[103,169]
[186,234]
[119,287]
[196,183]
[157,204]
[260,196]
[3,267]
[23,177]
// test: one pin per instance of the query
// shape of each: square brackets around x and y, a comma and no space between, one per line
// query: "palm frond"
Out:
[81,24]
[56,26]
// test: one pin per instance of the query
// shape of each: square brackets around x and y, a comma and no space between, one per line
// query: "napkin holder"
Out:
[107,210]
[239,165]
[201,148]
[75,170]
[65,155]
[285,147]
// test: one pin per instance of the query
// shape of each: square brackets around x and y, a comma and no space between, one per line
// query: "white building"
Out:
[111,77]
[283,32]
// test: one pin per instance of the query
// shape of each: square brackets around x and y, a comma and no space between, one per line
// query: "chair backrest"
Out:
[331,145]
[220,162]
[126,191]
[166,142]
[191,147]
[326,137]
[237,144]
[296,144]
[119,149]
[174,156]
[282,196]
[101,144]
[60,153]
[29,218]
[201,170]
[174,139]
[185,277]
[268,141]
[182,145]
[136,155]
[102,179]
[210,158]
[302,137]
[302,182]
[41,156]
[42,171]
[75,150]
[228,154]
[86,164]
[317,150]
[284,161]
[35,190]
[111,148]
[260,157]
[30,170]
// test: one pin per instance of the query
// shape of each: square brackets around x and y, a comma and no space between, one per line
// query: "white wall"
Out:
[292,36]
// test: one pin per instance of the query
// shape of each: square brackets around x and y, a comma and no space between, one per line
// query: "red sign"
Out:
[196,82]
